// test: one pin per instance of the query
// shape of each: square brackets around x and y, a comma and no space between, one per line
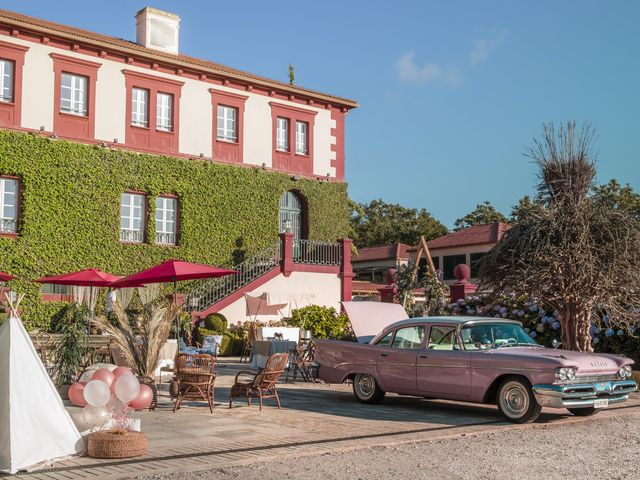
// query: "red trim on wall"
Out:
[11,112]
[291,161]
[69,125]
[225,151]
[338,115]
[150,138]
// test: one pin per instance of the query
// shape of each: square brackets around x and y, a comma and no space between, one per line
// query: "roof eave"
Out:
[147,53]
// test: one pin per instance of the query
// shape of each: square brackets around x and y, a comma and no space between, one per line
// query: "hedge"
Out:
[70,202]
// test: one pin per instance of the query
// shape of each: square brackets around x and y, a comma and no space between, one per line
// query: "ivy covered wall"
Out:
[70,211]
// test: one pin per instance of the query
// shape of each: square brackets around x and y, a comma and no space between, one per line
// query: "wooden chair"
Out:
[195,375]
[302,361]
[263,383]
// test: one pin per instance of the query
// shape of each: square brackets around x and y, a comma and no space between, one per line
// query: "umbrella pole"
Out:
[175,301]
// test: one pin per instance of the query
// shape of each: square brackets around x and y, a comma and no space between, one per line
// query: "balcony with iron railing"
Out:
[287,255]
[8,225]
[131,236]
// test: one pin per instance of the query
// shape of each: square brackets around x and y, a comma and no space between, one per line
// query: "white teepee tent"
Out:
[34,425]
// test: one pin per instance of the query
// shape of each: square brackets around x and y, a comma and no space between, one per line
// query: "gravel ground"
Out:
[605,448]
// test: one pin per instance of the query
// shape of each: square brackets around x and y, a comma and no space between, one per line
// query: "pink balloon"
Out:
[76,394]
[122,371]
[144,398]
[104,375]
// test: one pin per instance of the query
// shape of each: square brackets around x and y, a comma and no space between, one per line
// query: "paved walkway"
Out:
[315,418]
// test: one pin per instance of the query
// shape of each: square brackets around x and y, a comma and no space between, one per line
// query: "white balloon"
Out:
[127,388]
[95,416]
[96,393]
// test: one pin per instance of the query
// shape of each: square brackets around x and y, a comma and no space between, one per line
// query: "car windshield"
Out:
[485,336]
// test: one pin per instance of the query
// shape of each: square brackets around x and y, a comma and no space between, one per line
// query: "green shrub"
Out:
[70,201]
[216,322]
[231,345]
[72,346]
[324,322]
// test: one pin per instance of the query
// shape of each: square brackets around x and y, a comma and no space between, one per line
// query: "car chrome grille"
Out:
[592,379]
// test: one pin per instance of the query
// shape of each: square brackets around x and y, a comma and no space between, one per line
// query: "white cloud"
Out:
[409,72]
[482,49]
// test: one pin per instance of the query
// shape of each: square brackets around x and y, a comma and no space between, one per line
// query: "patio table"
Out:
[263,349]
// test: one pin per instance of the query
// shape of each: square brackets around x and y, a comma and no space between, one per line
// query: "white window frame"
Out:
[128,233]
[74,95]
[166,229]
[9,223]
[227,124]
[302,138]
[7,73]
[139,107]
[282,134]
[164,112]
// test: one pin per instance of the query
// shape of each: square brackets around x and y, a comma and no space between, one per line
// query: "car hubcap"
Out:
[514,400]
[365,384]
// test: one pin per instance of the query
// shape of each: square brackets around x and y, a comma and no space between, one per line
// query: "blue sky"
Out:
[451,92]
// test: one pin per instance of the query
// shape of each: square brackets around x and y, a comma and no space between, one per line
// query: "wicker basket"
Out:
[116,444]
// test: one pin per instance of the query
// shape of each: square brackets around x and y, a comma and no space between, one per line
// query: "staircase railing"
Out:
[212,291]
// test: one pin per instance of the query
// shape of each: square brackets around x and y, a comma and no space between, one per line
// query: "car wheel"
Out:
[516,401]
[583,412]
[366,389]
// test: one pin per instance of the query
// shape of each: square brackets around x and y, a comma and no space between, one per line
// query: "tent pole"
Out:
[175,302]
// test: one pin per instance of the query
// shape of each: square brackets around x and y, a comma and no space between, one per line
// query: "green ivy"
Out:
[70,219]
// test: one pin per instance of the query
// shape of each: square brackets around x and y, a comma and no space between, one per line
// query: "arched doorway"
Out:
[292,215]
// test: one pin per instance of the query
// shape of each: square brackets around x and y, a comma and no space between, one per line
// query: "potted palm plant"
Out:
[72,347]
[141,339]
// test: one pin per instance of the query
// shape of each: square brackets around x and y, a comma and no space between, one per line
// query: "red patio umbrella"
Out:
[172,271]
[5,277]
[91,277]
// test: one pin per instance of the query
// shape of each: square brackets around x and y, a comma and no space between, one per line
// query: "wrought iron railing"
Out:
[165,238]
[315,252]
[133,236]
[212,291]
[8,225]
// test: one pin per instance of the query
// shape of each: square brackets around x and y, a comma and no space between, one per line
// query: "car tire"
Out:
[516,401]
[366,389]
[583,412]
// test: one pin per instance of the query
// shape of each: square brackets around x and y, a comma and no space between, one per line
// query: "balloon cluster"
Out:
[109,395]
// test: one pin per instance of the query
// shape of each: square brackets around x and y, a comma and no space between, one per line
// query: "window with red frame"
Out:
[292,139]
[9,204]
[152,112]
[132,217]
[11,62]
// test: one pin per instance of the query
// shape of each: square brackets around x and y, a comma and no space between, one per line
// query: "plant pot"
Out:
[63,391]
[117,444]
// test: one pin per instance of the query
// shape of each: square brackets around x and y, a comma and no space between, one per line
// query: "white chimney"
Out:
[158,30]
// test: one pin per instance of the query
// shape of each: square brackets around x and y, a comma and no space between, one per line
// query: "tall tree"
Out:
[573,251]
[483,213]
[380,223]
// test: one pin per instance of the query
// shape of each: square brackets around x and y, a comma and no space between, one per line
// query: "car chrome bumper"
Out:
[584,395]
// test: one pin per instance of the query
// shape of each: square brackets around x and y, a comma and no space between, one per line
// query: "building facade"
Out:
[117,154]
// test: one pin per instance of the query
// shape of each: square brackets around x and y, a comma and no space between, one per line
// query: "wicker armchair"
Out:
[263,383]
[195,375]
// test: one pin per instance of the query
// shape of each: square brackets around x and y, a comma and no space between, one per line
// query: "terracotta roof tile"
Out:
[395,251]
[476,235]
[14,18]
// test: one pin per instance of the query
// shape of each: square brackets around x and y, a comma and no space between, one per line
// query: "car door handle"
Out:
[384,354]
[424,356]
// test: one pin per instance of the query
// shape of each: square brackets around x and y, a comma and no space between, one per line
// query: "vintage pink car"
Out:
[480,360]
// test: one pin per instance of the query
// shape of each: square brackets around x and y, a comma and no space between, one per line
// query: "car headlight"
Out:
[565,373]
[624,372]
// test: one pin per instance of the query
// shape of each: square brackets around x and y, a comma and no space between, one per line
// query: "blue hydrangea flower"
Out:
[533,334]
[609,332]
[555,325]
[620,332]
[596,341]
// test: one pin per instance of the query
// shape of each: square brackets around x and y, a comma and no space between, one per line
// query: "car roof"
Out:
[453,320]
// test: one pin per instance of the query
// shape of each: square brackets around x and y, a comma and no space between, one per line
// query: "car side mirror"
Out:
[555,343]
